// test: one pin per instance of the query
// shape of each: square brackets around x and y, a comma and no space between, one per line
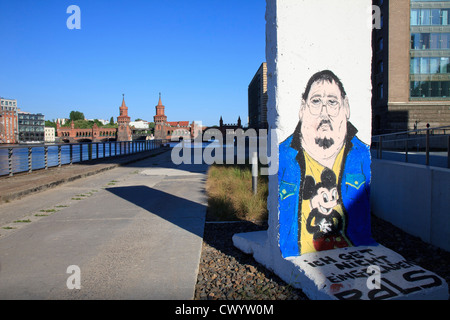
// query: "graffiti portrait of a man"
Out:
[331,214]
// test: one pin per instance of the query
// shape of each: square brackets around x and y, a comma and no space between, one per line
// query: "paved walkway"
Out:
[134,230]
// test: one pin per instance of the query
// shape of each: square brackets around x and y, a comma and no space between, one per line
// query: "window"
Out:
[415,41]
[424,41]
[380,91]
[430,65]
[445,89]
[424,65]
[380,44]
[415,17]
[444,17]
[430,89]
[434,65]
[425,89]
[425,17]
[434,41]
[445,41]
[444,62]
[435,18]
[435,89]
[380,67]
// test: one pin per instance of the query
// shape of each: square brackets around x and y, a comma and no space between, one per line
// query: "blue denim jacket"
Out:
[354,182]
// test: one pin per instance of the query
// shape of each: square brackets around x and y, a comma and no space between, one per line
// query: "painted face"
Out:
[324,118]
[325,200]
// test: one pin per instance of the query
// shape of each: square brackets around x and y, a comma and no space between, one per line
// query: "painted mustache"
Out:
[325,122]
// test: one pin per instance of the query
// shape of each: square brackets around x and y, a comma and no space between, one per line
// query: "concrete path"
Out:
[134,232]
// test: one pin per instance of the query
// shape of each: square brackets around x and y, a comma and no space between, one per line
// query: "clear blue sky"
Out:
[200,54]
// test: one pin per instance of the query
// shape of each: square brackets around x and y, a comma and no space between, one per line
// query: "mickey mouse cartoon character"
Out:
[328,222]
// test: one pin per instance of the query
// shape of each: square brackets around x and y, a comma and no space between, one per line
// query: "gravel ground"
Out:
[226,273]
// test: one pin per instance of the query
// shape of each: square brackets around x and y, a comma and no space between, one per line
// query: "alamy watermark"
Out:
[74,280]
[374,280]
[229,150]
[375,19]
[74,20]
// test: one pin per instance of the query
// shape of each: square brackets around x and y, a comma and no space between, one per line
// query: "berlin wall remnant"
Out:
[319,55]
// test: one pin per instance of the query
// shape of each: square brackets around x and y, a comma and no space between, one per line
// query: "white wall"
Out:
[313,35]
[414,198]
[302,38]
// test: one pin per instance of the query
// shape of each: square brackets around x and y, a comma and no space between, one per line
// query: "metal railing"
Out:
[422,143]
[23,158]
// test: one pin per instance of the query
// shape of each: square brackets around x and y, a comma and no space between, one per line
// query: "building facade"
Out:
[31,127]
[49,134]
[229,128]
[173,129]
[257,99]
[8,121]
[411,66]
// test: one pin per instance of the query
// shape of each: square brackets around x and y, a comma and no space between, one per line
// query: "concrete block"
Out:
[365,273]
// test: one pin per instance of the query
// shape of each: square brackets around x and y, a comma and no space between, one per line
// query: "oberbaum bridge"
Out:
[164,130]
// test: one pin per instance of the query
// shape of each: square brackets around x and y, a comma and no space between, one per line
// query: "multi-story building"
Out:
[140,124]
[411,65]
[49,134]
[257,99]
[8,121]
[31,127]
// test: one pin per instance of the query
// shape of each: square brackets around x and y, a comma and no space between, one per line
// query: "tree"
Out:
[98,122]
[49,123]
[151,126]
[111,121]
[76,115]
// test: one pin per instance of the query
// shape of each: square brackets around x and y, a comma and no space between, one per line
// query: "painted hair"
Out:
[322,76]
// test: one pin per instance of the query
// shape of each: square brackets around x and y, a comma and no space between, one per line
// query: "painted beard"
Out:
[324,143]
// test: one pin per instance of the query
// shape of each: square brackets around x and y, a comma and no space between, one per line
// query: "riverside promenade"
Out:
[132,226]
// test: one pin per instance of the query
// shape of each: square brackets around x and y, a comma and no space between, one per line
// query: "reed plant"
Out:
[230,194]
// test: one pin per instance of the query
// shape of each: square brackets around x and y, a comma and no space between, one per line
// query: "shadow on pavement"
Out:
[186,214]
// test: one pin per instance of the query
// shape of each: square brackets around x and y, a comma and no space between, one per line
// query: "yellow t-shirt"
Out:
[314,169]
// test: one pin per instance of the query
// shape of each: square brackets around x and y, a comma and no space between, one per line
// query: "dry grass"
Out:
[230,195]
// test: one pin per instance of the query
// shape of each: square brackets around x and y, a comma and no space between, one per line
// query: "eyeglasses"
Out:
[316,104]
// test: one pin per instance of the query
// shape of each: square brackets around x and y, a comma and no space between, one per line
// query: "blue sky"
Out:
[200,54]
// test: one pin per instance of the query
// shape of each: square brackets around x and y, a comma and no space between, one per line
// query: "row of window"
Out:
[430,41]
[430,17]
[25,136]
[31,117]
[33,123]
[31,129]
[425,65]
[4,108]
[8,103]
[430,89]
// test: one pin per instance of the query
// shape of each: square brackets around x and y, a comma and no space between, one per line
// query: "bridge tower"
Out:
[160,120]
[124,131]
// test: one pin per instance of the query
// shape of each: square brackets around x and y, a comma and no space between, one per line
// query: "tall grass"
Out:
[230,195]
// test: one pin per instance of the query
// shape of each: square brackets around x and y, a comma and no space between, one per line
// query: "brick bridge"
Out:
[96,134]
